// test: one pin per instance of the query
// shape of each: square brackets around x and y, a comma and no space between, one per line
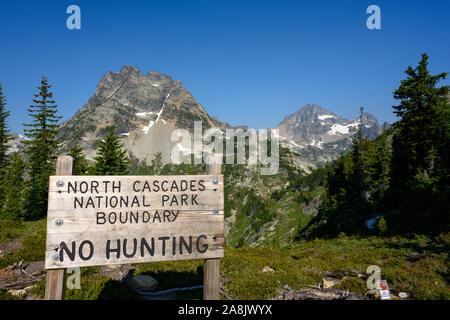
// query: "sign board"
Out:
[383,289]
[106,220]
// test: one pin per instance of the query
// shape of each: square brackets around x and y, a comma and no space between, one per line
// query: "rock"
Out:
[374,293]
[319,135]
[403,295]
[114,266]
[145,104]
[268,269]
[327,283]
[18,293]
[144,283]
[29,288]
[318,294]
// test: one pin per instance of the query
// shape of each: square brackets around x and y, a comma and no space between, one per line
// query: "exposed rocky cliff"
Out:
[144,111]
[319,135]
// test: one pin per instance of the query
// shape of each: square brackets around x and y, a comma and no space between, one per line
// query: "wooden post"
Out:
[56,279]
[211,268]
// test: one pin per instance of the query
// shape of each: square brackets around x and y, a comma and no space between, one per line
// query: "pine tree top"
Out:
[4,131]
[418,92]
[44,113]
[111,159]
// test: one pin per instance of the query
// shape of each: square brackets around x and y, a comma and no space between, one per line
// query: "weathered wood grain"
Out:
[211,269]
[145,219]
[125,221]
[206,196]
[127,182]
[210,245]
[55,286]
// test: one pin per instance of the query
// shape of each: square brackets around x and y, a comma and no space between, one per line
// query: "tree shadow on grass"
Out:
[177,279]
[428,246]
[117,290]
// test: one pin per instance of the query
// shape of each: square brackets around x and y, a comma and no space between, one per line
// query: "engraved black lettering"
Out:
[150,250]
[101,218]
[163,248]
[204,246]
[183,243]
[63,248]
[131,255]
[109,249]
[91,250]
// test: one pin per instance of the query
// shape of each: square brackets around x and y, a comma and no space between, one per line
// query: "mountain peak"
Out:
[315,126]
[158,77]
[310,113]
[130,70]
[144,111]
[314,109]
[311,107]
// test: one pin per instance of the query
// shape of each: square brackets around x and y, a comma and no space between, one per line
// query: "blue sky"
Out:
[247,62]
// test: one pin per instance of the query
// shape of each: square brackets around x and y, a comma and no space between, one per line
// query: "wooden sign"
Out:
[106,220]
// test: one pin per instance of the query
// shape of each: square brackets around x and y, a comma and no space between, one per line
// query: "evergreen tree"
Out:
[81,164]
[157,165]
[41,150]
[4,138]
[382,164]
[406,180]
[363,155]
[443,137]
[14,186]
[4,132]
[111,160]
[381,226]
[419,131]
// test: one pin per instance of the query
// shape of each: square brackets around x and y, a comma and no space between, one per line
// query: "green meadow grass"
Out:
[296,265]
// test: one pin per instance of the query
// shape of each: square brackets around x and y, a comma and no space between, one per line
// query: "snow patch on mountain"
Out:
[325,116]
[144,114]
[16,144]
[342,129]
[295,145]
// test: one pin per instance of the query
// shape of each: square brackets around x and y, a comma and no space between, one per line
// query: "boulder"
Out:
[327,283]
[144,283]
[18,293]
[29,288]
[403,295]
[374,293]
[268,269]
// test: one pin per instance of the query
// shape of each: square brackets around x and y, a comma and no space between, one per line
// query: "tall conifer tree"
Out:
[4,132]
[111,160]
[41,150]
[81,164]
[13,207]
[419,131]
[4,138]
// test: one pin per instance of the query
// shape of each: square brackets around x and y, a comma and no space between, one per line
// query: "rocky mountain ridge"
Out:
[16,144]
[319,135]
[144,111]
